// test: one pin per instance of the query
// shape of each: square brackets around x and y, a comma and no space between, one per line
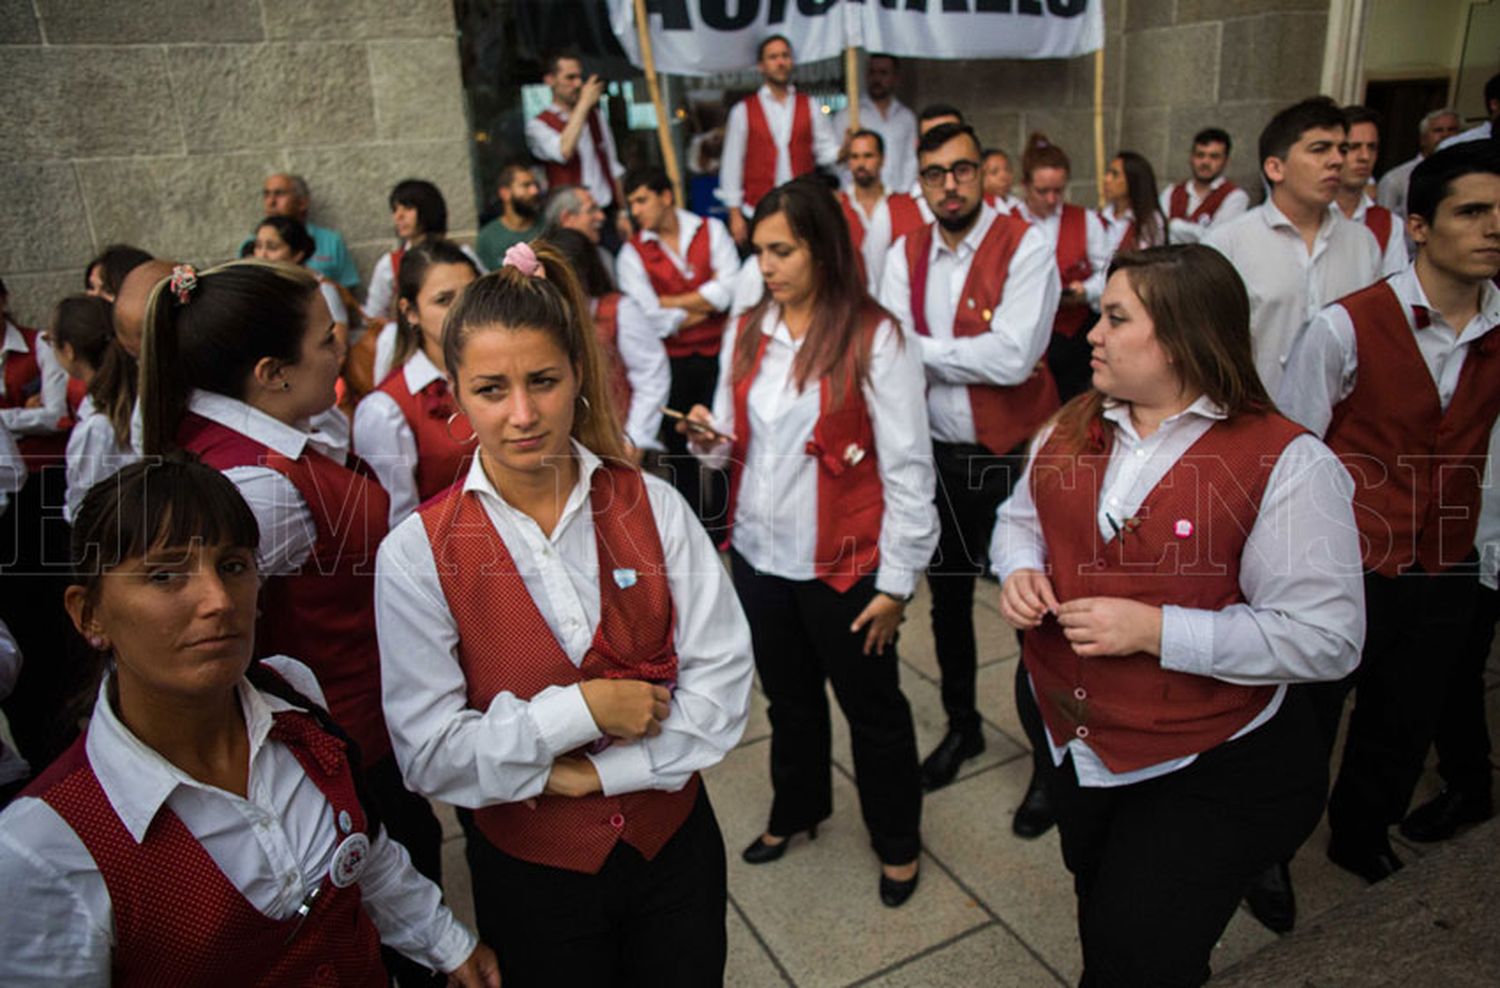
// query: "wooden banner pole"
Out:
[1099,123]
[851,82]
[663,121]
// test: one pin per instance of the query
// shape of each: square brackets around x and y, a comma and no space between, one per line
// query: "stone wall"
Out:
[154,122]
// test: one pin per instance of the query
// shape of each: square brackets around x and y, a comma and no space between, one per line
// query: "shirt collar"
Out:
[14,340]
[420,371]
[135,778]
[971,241]
[764,92]
[558,108]
[479,482]
[250,421]
[1275,218]
[1203,406]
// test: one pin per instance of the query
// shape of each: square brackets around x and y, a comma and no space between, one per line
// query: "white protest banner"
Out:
[704,37]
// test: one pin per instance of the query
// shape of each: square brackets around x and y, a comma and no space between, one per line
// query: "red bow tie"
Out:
[436,401]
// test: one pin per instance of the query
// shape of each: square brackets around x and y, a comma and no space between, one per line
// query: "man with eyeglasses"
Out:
[977,290]
[287,195]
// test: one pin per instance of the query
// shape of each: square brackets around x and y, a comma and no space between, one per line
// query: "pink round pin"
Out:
[1183,529]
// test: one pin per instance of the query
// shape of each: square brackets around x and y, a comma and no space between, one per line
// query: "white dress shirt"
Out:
[385,440]
[287,529]
[1394,257]
[718,291]
[646,368]
[897,127]
[380,297]
[12,469]
[275,844]
[1287,283]
[503,754]
[1020,328]
[776,514]
[1324,364]
[1479,133]
[43,419]
[779,118]
[1100,240]
[877,224]
[1390,191]
[93,454]
[1300,573]
[1185,231]
[749,286]
[1119,225]
[545,144]
[12,766]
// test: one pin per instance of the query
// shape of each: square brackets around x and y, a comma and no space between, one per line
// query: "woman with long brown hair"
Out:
[1177,554]
[1131,209]
[821,413]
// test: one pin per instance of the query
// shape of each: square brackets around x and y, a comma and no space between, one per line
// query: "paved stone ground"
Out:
[991,909]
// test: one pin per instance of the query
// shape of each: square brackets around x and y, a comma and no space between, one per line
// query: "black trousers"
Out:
[693,381]
[800,630]
[408,820]
[971,484]
[636,922]
[1068,360]
[1031,718]
[1463,734]
[1416,626]
[1160,866]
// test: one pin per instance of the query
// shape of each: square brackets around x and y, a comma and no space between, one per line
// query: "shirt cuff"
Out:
[624,768]
[562,719]
[454,946]
[898,581]
[1187,640]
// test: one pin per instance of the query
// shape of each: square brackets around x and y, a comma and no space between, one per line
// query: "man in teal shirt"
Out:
[287,195]
[520,218]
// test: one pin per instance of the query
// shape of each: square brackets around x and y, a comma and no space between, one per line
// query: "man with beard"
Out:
[1208,199]
[977,291]
[772,136]
[1353,197]
[887,116]
[876,217]
[519,219]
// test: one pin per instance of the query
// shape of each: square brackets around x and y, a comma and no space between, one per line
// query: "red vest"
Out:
[606,325]
[22,370]
[905,217]
[1378,219]
[1073,265]
[1131,711]
[324,614]
[707,336]
[1177,203]
[851,499]
[179,921]
[760,146]
[441,462]
[570,172]
[1417,469]
[1003,416]
[504,644]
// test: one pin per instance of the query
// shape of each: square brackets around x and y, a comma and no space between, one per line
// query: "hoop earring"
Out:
[587,408]
[448,428]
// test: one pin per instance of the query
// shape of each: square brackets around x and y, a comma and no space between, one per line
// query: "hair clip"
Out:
[183,282]
[523,259]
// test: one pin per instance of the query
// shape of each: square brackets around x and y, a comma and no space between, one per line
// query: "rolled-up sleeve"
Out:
[897,401]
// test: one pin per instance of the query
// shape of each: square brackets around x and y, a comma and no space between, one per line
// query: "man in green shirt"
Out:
[287,195]
[520,218]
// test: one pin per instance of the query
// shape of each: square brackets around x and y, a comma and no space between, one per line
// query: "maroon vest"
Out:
[505,645]
[760,146]
[1003,416]
[707,336]
[570,172]
[1379,220]
[1183,547]
[441,462]
[179,921]
[1177,203]
[325,613]
[1417,469]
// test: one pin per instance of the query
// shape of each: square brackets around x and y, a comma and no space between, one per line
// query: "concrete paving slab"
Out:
[995,639]
[747,965]
[989,956]
[997,700]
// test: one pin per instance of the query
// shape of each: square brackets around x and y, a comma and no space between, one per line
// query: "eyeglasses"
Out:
[963,172]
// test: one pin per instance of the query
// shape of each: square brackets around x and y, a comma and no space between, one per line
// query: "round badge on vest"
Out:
[349,860]
[346,822]
[625,578]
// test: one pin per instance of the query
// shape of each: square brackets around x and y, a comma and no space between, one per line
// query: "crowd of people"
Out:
[280,565]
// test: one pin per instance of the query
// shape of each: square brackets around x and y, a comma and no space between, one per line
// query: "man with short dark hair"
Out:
[932,115]
[570,137]
[1435,128]
[1294,253]
[287,195]
[1207,199]
[881,112]
[876,217]
[772,136]
[977,290]
[520,216]
[1353,197]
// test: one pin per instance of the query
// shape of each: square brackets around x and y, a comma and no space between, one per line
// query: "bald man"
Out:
[288,195]
[130,303]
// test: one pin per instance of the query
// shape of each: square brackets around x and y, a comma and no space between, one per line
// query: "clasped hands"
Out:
[1094,626]
[625,710]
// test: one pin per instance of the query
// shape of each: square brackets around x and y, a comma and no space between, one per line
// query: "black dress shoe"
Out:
[1034,816]
[1440,817]
[1371,862]
[939,768]
[759,852]
[1271,899]
[893,892]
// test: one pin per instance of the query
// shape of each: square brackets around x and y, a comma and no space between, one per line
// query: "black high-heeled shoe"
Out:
[759,852]
[894,892]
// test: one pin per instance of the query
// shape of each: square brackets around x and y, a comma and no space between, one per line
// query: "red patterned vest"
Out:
[1177,203]
[21,371]
[851,499]
[504,644]
[760,146]
[324,614]
[707,336]
[179,921]
[606,325]
[1417,469]
[570,172]
[441,462]
[1003,416]
[1072,265]
[1128,709]
[1380,222]
[905,217]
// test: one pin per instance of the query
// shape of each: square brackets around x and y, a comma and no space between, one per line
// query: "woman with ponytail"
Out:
[1177,554]
[238,368]
[562,654]
[408,429]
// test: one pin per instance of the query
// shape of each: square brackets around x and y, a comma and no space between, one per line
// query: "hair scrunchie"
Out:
[183,282]
[523,259]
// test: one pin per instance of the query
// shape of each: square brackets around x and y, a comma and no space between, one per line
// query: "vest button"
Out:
[1081,731]
[1099,564]
[1080,694]
[617,821]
